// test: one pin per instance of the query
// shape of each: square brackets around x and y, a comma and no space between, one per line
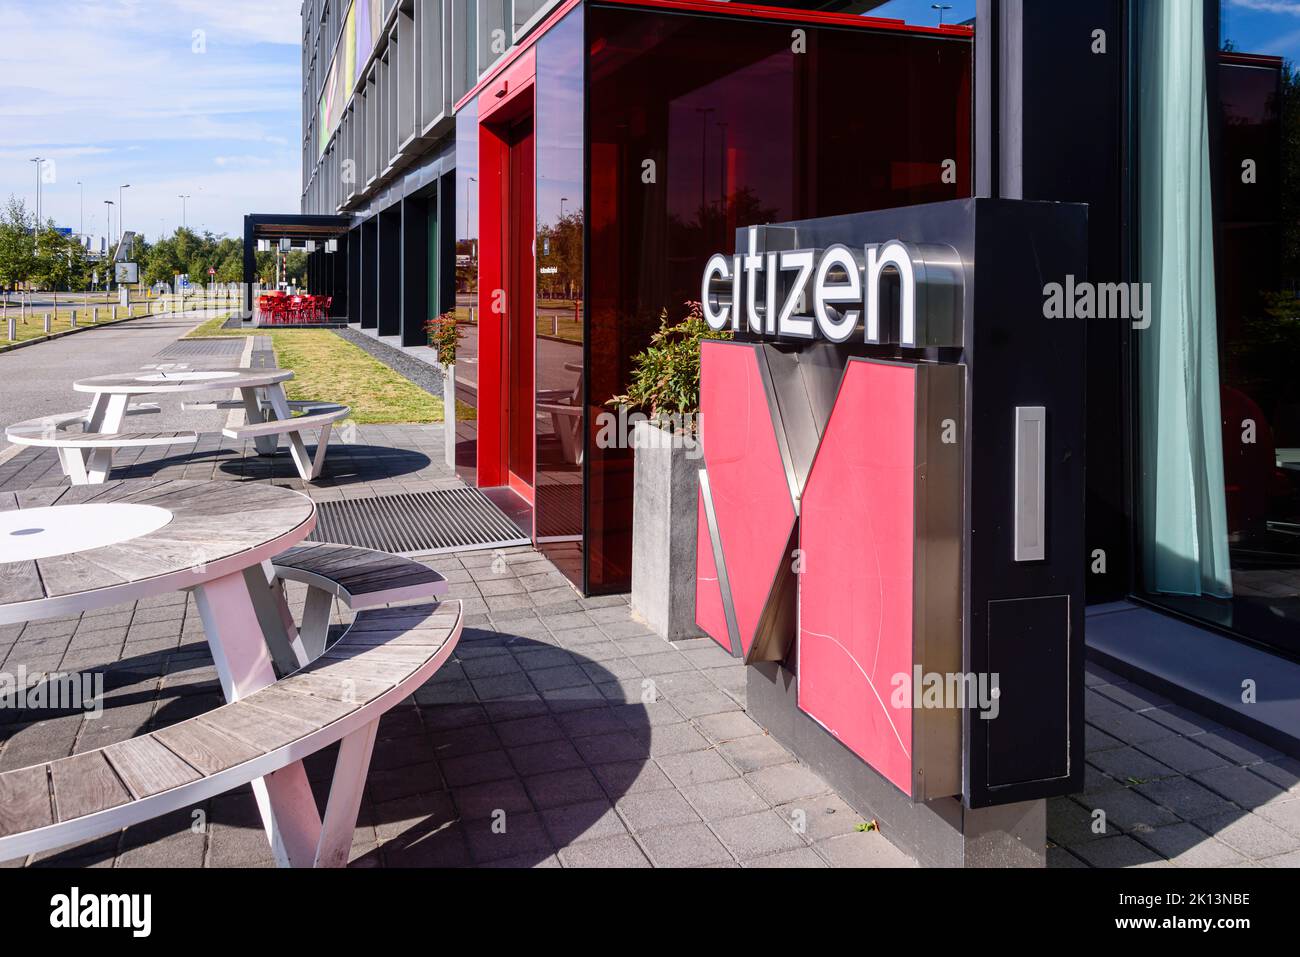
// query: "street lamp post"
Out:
[82,187]
[705,112]
[183,197]
[941,7]
[39,161]
[120,207]
[468,193]
[108,234]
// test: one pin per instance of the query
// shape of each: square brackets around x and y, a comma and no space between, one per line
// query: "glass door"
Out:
[521,328]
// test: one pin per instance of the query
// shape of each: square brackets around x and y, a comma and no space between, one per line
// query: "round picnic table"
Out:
[112,393]
[66,550]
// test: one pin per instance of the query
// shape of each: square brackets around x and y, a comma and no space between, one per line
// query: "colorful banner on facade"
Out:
[361,28]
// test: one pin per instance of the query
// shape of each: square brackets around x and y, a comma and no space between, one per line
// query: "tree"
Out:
[60,261]
[17,248]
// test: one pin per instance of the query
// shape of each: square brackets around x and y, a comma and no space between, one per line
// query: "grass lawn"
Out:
[34,327]
[327,367]
[561,327]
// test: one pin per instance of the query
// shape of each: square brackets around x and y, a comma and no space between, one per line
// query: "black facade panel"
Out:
[369,273]
[415,270]
[1029,650]
[388,318]
[1071,67]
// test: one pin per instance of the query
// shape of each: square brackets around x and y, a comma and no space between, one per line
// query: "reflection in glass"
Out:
[559,315]
[701,125]
[466,228]
[1252,93]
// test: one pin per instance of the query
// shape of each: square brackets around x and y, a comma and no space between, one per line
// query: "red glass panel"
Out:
[466,265]
[700,125]
[520,306]
[560,396]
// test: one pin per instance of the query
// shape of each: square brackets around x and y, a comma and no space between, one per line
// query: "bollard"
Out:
[113,313]
[72,319]
[94,315]
[13,331]
[47,323]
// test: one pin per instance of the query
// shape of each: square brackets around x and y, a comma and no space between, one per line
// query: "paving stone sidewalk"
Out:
[1166,786]
[564,733]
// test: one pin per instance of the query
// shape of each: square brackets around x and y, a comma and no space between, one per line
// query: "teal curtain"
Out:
[1184,520]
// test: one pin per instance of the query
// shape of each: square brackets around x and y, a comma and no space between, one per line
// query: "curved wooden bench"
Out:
[321,416]
[216,405]
[40,436]
[383,658]
[53,431]
[65,420]
[361,578]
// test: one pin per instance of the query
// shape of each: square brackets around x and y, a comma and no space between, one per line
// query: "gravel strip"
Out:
[426,376]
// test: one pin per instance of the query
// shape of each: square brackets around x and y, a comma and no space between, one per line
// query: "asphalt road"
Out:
[37,380]
[44,301]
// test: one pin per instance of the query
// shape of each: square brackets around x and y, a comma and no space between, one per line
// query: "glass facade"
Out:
[467,235]
[599,165]
[699,125]
[559,250]
[1218,240]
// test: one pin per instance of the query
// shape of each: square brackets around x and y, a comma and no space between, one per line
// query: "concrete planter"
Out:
[663,531]
[449,413]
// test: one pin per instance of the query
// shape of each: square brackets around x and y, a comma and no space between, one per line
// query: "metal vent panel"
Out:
[418,523]
[202,348]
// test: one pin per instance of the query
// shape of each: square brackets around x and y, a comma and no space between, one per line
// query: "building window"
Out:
[1218,242]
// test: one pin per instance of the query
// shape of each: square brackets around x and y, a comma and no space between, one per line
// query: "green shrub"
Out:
[444,334]
[666,375]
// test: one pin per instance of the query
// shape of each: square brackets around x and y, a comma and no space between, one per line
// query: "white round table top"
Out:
[31,533]
[152,381]
[69,549]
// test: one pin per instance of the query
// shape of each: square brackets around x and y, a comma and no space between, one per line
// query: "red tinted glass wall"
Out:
[466,210]
[699,125]
[557,514]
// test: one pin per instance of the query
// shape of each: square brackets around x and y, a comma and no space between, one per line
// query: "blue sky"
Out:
[1257,26]
[125,91]
[920,12]
[1263,26]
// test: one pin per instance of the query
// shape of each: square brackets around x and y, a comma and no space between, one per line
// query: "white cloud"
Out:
[114,91]
[261,21]
[242,161]
[1269,6]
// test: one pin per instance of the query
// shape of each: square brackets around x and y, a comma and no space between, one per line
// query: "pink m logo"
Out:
[851,542]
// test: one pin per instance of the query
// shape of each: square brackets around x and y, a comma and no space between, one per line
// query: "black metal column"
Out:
[354,274]
[369,297]
[415,270]
[388,319]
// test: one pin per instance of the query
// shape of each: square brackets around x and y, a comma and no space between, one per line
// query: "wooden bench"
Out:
[320,416]
[564,406]
[359,577]
[77,450]
[381,660]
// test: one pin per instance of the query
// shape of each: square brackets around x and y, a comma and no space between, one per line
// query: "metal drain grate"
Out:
[418,523]
[200,348]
